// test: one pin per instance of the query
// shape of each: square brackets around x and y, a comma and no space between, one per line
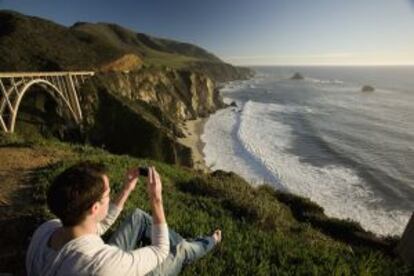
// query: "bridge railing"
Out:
[44,74]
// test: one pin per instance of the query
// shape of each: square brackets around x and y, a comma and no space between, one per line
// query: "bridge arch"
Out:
[61,86]
[51,89]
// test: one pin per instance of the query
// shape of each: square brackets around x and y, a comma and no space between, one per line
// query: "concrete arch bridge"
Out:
[62,86]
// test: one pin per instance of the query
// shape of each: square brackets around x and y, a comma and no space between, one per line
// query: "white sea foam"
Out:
[337,82]
[238,85]
[254,144]
[222,150]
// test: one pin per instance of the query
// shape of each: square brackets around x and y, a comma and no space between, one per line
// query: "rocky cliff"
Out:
[180,94]
[140,112]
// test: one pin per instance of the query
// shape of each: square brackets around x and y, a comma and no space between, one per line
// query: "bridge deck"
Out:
[44,74]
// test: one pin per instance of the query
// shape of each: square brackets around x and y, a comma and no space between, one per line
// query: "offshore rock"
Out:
[297,76]
[367,88]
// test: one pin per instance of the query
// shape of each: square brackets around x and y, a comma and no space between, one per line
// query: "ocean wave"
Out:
[243,128]
[319,81]
[223,150]
[257,145]
[235,86]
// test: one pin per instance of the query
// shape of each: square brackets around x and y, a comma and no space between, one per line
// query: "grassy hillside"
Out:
[145,45]
[34,44]
[30,43]
[264,232]
[152,51]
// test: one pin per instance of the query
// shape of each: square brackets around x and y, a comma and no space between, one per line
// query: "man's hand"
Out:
[155,195]
[130,179]
[154,185]
[217,236]
[130,182]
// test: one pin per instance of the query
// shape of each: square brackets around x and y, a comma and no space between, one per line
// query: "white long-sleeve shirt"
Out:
[89,255]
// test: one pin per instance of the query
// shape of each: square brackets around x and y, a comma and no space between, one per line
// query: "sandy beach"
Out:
[193,130]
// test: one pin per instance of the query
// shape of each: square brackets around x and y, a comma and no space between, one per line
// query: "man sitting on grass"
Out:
[72,244]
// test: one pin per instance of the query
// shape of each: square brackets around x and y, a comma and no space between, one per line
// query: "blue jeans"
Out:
[136,229]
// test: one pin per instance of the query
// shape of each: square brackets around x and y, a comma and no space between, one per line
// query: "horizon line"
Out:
[326,65]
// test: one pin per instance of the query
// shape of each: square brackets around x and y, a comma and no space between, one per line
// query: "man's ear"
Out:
[94,209]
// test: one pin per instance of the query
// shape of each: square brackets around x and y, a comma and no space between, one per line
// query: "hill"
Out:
[30,43]
[265,232]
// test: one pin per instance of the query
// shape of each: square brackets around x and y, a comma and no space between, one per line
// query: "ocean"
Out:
[352,152]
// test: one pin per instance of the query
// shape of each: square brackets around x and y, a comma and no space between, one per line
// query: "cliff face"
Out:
[181,95]
[139,113]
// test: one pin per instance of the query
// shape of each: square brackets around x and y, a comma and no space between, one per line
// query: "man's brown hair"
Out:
[75,190]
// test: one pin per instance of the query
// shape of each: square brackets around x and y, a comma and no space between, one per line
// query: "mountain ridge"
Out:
[42,45]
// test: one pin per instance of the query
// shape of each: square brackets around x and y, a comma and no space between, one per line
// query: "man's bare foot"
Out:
[217,236]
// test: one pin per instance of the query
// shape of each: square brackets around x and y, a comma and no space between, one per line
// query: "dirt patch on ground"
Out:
[17,168]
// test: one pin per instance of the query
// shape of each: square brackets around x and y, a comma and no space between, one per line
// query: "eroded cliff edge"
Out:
[140,113]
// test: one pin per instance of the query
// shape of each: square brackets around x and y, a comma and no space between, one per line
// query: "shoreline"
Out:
[193,129]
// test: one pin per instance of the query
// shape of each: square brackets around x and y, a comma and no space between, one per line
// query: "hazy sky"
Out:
[348,32]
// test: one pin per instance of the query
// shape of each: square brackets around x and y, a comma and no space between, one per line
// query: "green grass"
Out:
[263,233]
[175,61]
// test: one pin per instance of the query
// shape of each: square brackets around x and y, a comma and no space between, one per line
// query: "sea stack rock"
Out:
[297,76]
[367,88]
